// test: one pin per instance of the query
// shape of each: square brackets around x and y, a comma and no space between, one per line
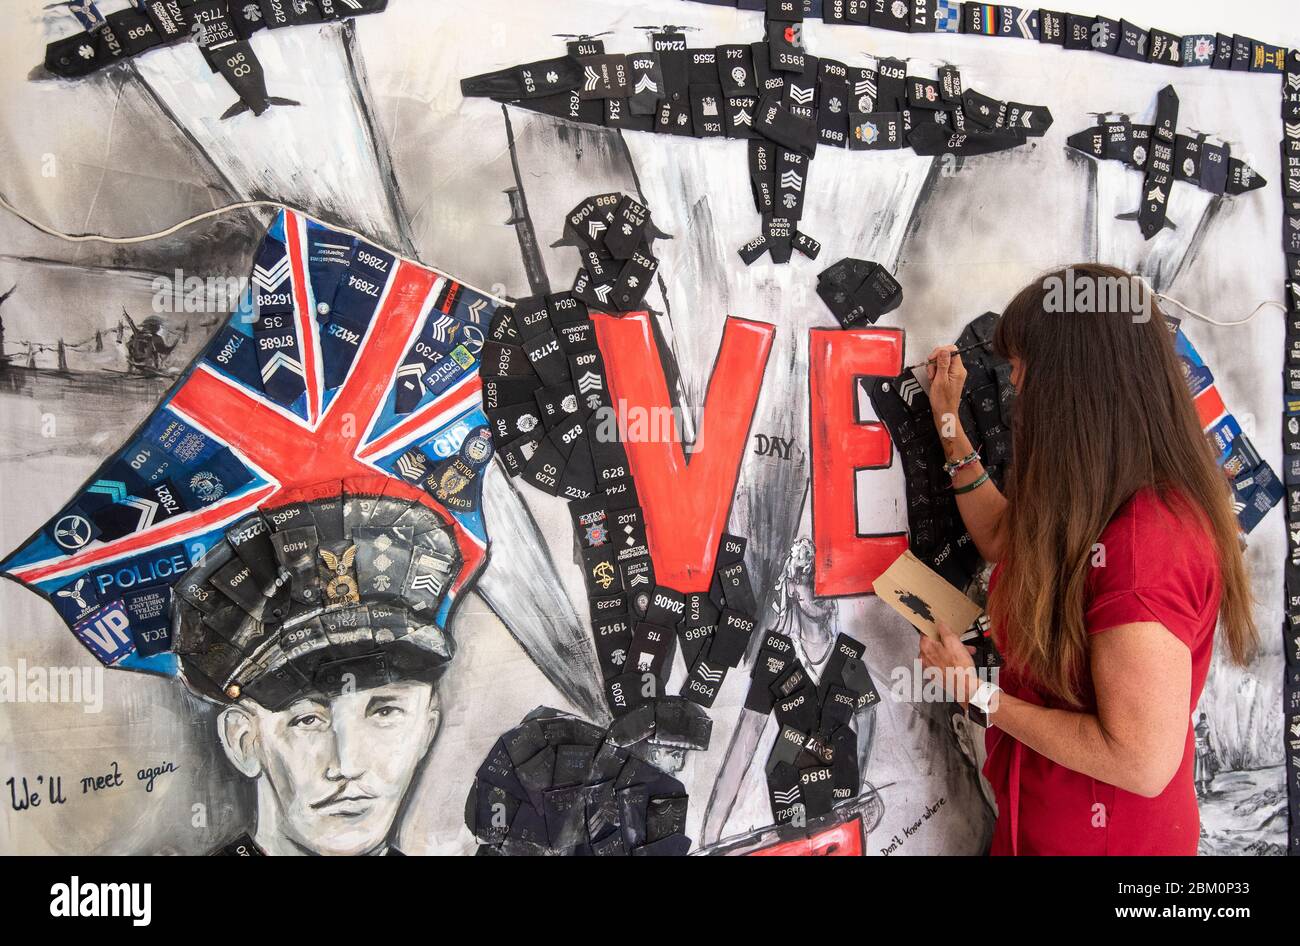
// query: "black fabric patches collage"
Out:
[149,24]
[220,29]
[1163,157]
[813,765]
[783,101]
[858,291]
[612,233]
[1291,426]
[937,535]
[545,392]
[336,585]
[366,570]
[557,785]
[1127,40]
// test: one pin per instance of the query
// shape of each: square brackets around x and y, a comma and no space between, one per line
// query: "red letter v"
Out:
[686,505]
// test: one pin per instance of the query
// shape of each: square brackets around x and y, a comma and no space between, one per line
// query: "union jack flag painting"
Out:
[343,365]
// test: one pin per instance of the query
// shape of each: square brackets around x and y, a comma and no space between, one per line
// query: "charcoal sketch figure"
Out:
[970,740]
[332,770]
[1207,763]
[147,349]
[800,615]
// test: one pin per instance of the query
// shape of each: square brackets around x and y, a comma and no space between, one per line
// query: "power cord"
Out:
[207,215]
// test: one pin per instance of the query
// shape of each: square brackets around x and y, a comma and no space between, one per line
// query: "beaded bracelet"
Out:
[953,466]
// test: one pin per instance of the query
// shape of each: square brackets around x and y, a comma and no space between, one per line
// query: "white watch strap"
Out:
[984,695]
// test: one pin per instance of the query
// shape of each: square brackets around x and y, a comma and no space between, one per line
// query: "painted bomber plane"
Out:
[220,28]
[1164,156]
[782,100]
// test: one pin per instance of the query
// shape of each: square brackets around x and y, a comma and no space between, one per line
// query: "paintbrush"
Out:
[959,351]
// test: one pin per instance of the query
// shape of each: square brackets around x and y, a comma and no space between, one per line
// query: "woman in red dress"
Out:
[1118,554]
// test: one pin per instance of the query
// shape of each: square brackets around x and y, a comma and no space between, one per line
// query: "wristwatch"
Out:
[982,703]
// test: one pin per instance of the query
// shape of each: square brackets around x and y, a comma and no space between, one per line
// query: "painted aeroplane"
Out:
[220,28]
[1164,157]
[782,100]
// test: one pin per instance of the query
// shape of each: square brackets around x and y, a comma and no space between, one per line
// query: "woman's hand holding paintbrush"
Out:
[934,360]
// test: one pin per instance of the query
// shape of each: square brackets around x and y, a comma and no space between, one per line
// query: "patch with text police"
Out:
[253,500]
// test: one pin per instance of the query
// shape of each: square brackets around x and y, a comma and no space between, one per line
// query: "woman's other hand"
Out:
[947,376]
[954,660]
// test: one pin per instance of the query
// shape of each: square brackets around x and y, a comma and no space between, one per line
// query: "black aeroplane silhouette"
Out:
[782,100]
[220,28]
[1164,157]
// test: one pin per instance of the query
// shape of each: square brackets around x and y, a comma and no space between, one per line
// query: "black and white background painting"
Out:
[384,143]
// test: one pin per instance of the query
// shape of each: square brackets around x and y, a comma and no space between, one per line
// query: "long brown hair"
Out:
[1103,411]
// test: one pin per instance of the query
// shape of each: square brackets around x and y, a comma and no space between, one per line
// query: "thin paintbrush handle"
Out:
[959,351]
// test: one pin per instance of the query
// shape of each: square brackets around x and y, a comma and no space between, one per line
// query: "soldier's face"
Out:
[339,767]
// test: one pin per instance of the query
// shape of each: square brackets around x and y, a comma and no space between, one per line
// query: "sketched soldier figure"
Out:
[800,615]
[1207,763]
[325,656]
[146,348]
